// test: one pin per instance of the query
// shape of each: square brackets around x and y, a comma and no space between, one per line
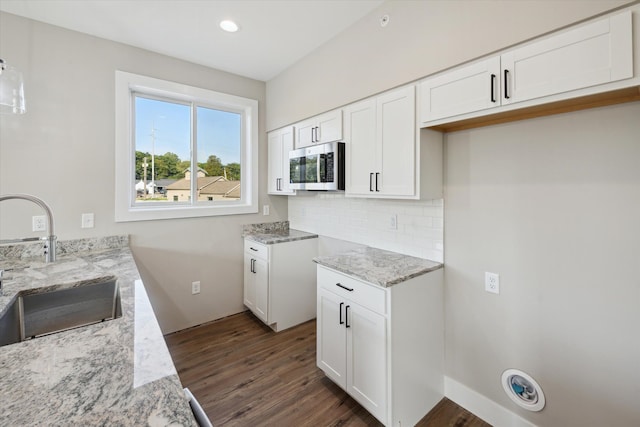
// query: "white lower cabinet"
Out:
[383,346]
[280,282]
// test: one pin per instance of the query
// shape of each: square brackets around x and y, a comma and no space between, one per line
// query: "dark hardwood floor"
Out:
[244,374]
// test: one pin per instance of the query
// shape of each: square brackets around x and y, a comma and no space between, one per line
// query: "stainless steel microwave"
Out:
[318,167]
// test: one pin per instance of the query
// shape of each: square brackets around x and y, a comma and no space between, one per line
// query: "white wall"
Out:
[553,206]
[62,150]
[550,204]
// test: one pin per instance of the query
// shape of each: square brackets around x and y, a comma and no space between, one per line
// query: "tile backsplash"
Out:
[420,228]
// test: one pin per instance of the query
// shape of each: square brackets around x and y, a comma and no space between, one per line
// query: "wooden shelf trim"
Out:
[620,96]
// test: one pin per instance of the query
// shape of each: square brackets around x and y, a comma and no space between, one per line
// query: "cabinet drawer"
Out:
[365,294]
[257,250]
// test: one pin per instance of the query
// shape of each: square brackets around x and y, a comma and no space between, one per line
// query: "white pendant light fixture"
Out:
[229,26]
[11,90]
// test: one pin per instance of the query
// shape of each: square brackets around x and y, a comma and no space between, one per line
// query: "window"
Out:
[183,151]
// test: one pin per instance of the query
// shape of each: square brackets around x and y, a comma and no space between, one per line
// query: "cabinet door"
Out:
[305,133]
[367,359]
[360,141]
[261,275]
[329,127]
[593,54]
[464,90]
[331,337]
[249,283]
[275,156]
[280,142]
[396,147]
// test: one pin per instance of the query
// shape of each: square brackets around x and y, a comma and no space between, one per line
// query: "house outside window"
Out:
[166,130]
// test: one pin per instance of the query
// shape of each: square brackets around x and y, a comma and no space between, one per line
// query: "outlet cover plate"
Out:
[492,282]
[39,223]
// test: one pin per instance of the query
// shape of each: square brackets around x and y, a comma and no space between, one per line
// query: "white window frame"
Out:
[125,207]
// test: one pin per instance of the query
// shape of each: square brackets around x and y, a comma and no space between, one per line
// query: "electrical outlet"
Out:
[492,282]
[265,210]
[393,222]
[87,220]
[39,223]
[195,287]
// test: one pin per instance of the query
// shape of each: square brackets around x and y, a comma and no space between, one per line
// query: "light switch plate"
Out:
[87,220]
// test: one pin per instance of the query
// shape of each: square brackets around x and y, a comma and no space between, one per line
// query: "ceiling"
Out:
[273,34]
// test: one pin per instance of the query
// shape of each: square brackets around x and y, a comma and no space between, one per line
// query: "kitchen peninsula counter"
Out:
[118,372]
[378,266]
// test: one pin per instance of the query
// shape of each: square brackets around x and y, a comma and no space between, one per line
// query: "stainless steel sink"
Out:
[36,313]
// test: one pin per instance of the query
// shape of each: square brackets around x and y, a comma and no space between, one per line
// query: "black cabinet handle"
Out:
[341,321]
[506,84]
[344,287]
[371,181]
[493,89]
[317,134]
[253,265]
[346,316]
[377,175]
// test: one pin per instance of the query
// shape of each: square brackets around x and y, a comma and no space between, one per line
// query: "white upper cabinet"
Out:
[380,137]
[396,135]
[361,147]
[326,127]
[594,54]
[466,89]
[577,62]
[280,142]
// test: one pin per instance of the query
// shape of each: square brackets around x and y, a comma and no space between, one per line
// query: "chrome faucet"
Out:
[50,240]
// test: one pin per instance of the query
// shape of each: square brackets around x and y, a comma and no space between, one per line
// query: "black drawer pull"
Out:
[344,287]
[253,249]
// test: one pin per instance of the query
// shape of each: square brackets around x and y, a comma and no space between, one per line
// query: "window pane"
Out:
[162,143]
[219,135]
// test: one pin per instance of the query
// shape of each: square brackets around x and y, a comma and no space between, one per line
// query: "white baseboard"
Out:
[481,406]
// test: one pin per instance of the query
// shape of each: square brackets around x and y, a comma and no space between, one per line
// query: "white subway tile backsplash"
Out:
[419,230]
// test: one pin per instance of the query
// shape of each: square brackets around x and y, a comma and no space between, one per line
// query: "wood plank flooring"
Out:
[244,374]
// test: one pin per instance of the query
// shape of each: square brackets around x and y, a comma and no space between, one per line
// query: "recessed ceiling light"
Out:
[229,26]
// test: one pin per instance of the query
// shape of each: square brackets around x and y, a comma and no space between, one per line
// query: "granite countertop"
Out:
[290,235]
[377,266]
[270,233]
[117,372]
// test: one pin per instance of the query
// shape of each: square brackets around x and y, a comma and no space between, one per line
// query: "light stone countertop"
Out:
[378,266]
[270,238]
[117,372]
